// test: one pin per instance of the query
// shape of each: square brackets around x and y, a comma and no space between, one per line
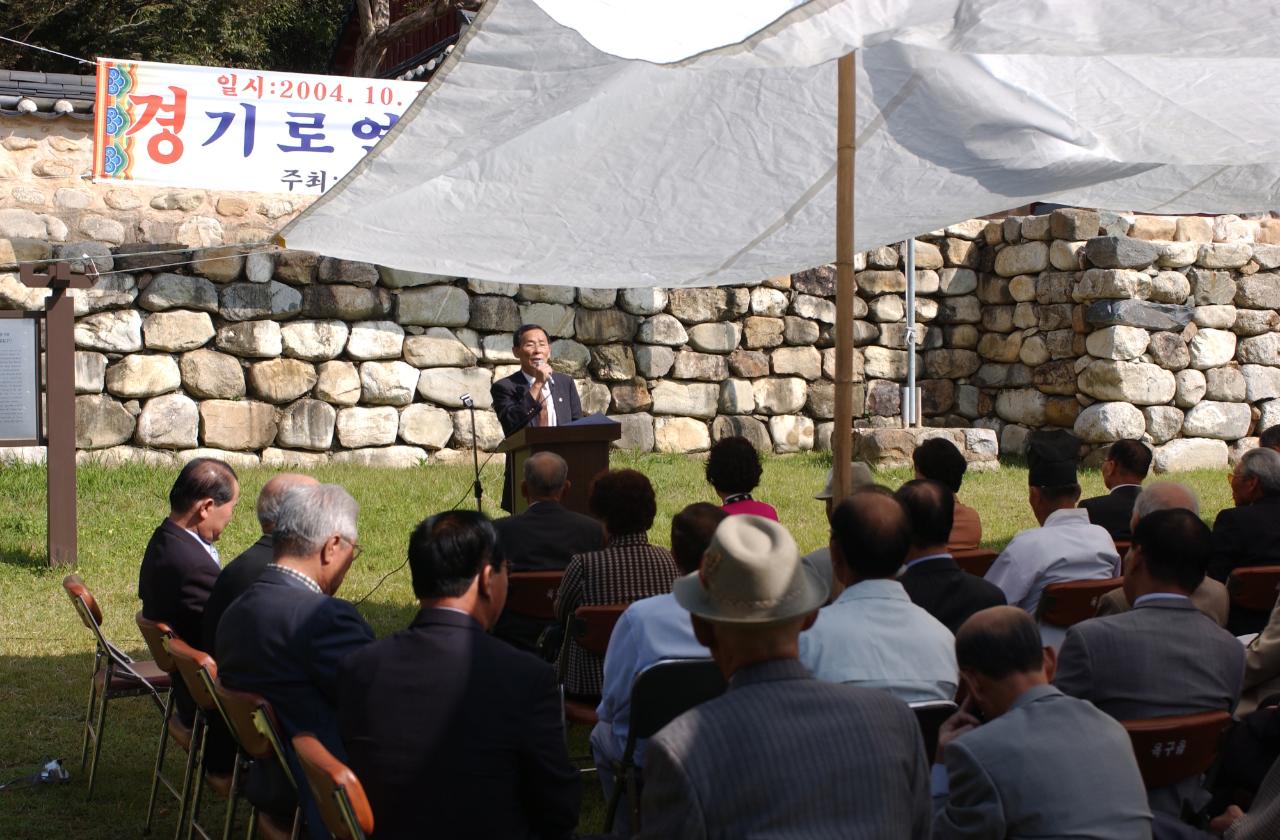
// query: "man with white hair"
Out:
[1249,533]
[806,758]
[283,638]
[1210,597]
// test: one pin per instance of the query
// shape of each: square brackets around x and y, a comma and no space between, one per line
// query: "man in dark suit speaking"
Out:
[532,396]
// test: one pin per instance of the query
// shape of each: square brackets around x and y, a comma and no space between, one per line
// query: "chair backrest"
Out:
[243,709]
[1170,749]
[931,715]
[84,602]
[154,633]
[592,626]
[665,690]
[338,793]
[975,561]
[1122,547]
[198,671]
[533,594]
[1065,604]
[1254,587]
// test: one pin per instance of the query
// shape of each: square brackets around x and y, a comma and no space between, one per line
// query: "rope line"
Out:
[46,49]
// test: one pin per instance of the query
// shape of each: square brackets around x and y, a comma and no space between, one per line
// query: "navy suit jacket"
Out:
[444,714]
[947,592]
[175,580]
[1114,510]
[1246,536]
[233,580]
[516,409]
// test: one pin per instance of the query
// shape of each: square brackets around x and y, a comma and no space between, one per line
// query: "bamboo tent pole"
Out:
[842,432]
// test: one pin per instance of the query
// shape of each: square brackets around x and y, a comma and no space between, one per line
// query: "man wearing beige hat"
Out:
[779,753]
[820,558]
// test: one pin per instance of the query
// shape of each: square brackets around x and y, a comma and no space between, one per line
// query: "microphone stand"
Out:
[475,453]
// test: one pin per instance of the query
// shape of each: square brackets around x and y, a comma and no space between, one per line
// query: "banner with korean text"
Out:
[213,127]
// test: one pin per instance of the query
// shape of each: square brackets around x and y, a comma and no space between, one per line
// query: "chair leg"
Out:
[88,716]
[99,731]
[253,822]
[620,775]
[234,797]
[189,773]
[160,753]
[633,798]
[297,824]
[193,819]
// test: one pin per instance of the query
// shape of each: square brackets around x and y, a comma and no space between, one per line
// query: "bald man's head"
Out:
[1163,495]
[999,641]
[271,494]
[872,533]
[545,477]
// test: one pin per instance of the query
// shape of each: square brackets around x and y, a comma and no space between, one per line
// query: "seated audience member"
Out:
[443,712]
[1163,657]
[932,579]
[180,564]
[820,557]
[248,566]
[779,753]
[651,630]
[1249,533]
[1043,764]
[940,460]
[542,538]
[1261,666]
[1123,472]
[627,569]
[1262,822]
[1270,438]
[1210,597]
[283,638]
[1066,546]
[872,635]
[733,469]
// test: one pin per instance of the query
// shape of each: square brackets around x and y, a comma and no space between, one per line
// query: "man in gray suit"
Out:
[780,754]
[1044,764]
[1164,656]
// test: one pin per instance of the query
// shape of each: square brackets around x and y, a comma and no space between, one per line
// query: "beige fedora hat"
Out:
[861,475]
[751,574]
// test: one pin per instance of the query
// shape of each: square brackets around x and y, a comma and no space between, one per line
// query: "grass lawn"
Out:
[45,652]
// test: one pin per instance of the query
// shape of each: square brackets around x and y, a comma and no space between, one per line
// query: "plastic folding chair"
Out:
[533,594]
[975,561]
[1170,749]
[198,672]
[590,628]
[257,732]
[660,693]
[338,793]
[115,675]
[1254,587]
[931,715]
[1065,604]
[154,633]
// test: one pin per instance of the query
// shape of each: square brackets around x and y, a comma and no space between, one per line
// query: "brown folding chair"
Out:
[931,714]
[1065,604]
[154,633]
[533,594]
[257,732]
[1254,587]
[1170,749]
[1122,547]
[114,675]
[338,793]
[591,628]
[975,561]
[198,672]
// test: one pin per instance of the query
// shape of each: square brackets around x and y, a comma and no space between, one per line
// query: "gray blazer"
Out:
[1051,766]
[782,755]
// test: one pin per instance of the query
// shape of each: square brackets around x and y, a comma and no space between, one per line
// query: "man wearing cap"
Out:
[1066,546]
[820,558]
[779,748]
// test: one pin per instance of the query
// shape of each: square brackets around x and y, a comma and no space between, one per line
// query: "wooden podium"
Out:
[584,447]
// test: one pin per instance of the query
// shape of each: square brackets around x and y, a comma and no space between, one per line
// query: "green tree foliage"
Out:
[289,35]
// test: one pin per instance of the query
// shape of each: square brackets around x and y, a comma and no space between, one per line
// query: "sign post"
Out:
[20,418]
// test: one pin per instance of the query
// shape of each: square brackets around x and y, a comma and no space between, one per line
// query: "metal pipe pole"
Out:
[842,431]
[909,408]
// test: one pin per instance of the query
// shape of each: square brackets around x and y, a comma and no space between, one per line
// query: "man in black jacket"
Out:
[532,396]
[1249,533]
[180,564]
[1123,472]
[283,638]
[931,577]
[444,713]
[543,538]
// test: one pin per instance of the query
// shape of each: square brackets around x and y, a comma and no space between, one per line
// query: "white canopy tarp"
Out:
[642,143]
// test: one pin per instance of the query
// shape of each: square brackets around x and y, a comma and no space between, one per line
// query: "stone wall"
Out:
[197,338]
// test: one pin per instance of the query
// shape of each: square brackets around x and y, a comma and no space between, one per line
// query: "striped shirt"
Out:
[627,569]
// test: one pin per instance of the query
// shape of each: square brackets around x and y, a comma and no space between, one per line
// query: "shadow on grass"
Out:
[26,561]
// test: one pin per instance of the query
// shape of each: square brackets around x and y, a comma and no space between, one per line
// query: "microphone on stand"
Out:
[475,452]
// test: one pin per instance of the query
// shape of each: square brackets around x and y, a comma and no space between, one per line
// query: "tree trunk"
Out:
[377,31]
